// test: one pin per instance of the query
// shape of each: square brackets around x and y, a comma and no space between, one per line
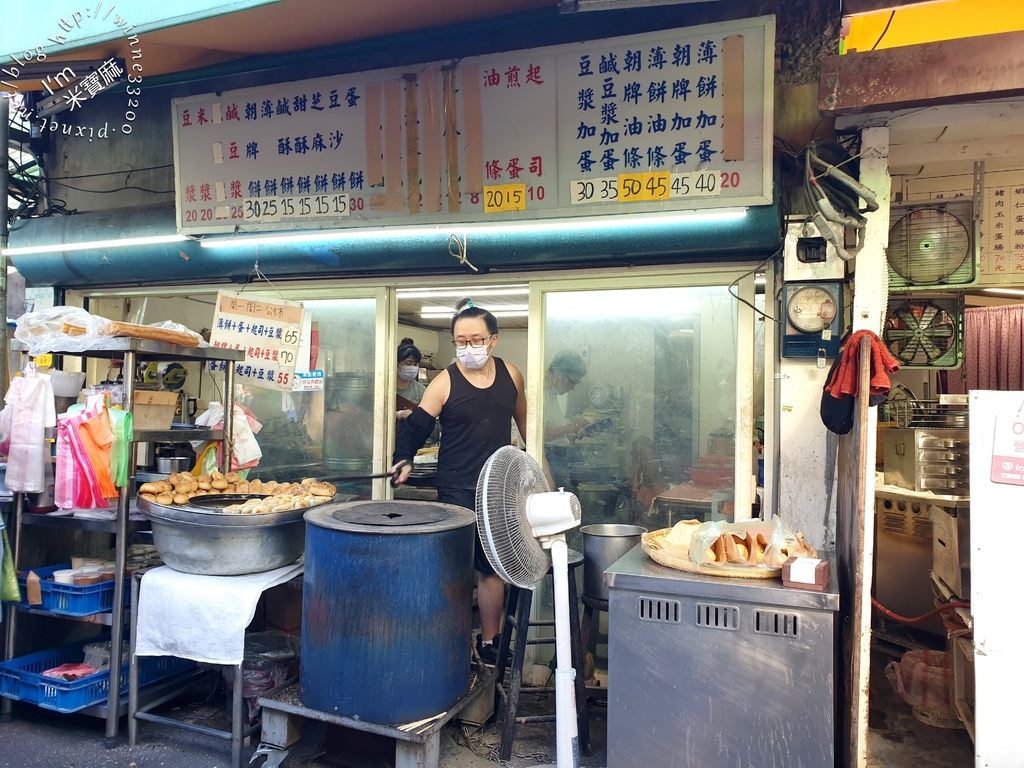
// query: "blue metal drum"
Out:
[387,609]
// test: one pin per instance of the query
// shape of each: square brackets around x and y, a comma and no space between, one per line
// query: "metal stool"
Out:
[517,615]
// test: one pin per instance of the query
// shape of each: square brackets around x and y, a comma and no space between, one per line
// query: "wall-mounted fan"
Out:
[927,331]
[933,245]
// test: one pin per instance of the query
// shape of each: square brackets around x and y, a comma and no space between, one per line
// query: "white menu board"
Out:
[669,120]
[270,332]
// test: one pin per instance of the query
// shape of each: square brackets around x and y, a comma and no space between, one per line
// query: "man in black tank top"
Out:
[476,399]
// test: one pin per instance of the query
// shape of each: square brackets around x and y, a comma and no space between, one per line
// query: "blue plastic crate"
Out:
[22,678]
[71,599]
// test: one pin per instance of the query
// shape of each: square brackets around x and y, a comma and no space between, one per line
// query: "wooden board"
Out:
[854,526]
[651,543]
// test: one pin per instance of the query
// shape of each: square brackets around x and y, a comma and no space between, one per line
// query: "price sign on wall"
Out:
[269,330]
[667,120]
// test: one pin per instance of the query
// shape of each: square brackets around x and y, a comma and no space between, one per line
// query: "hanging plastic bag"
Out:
[31,399]
[10,592]
[206,462]
[75,484]
[5,430]
[121,423]
[246,452]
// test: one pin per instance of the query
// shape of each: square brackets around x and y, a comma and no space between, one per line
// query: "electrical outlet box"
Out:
[809,256]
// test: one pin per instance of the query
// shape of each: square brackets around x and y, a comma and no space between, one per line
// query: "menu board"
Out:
[270,332]
[669,120]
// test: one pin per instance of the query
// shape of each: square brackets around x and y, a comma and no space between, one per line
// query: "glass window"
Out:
[639,401]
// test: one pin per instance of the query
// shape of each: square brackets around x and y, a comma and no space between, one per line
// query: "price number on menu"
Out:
[700,184]
[504,197]
[602,190]
[648,187]
[305,207]
[643,187]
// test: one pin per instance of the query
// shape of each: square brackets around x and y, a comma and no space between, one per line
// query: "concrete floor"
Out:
[43,739]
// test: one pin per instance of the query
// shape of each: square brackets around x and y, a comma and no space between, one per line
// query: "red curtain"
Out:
[993,344]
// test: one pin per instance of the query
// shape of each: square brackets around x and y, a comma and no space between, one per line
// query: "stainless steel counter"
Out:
[715,673]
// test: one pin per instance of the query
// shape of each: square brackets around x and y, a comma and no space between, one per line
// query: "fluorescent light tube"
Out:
[1004,291]
[554,225]
[58,247]
[473,292]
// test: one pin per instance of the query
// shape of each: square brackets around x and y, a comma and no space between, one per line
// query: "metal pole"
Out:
[5,140]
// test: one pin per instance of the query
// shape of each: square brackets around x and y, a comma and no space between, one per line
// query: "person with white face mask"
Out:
[408,385]
[476,398]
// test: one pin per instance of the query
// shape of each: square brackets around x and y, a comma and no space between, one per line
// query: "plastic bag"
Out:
[924,679]
[754,543]
[10,591]
[265,664]
[72,329]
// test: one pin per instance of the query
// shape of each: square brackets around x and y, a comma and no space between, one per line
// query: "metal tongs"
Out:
[357,478]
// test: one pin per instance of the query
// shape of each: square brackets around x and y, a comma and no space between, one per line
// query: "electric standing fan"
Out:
[522,525]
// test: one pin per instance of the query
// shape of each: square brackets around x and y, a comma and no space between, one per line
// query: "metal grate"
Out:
[718,616]
[656,609]
[768,622]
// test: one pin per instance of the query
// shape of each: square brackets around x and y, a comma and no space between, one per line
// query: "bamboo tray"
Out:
[679,558]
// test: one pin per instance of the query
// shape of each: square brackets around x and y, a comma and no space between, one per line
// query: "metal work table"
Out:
[139,710]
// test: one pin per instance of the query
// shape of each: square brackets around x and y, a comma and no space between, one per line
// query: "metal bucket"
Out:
[387,609]
[602,546]
[348,422]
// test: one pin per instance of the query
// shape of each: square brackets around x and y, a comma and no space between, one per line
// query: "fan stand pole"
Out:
[567,735]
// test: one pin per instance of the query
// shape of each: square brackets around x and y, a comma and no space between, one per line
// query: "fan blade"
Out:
[909,351]
[944,331]
[931,351]
[928,314]
[905,312]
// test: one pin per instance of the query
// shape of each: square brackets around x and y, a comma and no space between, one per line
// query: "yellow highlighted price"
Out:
[644,186]
[504,197]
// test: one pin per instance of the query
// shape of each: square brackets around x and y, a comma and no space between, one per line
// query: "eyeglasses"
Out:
[474,343]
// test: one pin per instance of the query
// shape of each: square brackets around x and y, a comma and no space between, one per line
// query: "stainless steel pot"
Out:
[602,546]
[168,465]
[208,541]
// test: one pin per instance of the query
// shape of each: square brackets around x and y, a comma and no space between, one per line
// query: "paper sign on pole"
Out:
[269,330]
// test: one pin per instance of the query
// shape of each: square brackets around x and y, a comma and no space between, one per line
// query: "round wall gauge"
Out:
[811,309]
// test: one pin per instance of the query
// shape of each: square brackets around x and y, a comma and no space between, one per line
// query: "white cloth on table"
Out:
[202,618]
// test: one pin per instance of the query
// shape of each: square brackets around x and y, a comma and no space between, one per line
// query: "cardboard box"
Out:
[806,573]
[153,409]
[282,607]
[951,549]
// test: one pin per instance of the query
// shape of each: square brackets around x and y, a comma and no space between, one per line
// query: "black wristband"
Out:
[414,433]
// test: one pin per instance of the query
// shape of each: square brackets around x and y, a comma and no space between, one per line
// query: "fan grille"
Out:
[924,333]
[927,246]
[507,479]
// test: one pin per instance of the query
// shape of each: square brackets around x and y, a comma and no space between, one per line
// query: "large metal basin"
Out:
[210,542]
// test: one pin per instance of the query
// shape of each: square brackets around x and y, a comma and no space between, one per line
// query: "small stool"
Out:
[517,615]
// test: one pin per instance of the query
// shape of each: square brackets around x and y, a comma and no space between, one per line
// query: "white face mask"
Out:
[473,359]
[408,372]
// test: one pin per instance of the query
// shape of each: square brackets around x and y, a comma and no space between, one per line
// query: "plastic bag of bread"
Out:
[752,543]
[73,329]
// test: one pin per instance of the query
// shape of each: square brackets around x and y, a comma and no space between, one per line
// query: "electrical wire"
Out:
[884,31]
[754,271]
[923,617]
[113,191]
